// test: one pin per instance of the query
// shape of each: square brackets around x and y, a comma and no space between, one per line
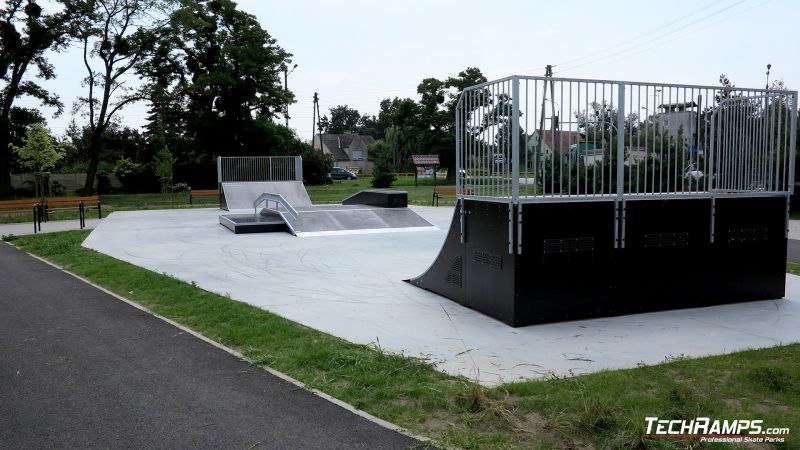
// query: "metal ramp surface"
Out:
[241,195]
[350,219]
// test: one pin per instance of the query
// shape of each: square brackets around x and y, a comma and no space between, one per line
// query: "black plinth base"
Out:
[249,223]
[671,254]
[378,197]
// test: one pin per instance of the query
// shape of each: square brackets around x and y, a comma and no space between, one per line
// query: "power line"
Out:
[660,36]
[693,31]
[628,41]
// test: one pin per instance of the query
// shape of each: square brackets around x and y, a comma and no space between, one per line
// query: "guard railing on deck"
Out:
[524,139]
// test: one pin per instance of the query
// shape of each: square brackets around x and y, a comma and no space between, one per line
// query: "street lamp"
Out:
[769,66]
[286,73]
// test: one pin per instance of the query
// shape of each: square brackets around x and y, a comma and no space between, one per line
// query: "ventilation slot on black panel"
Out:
[488,259]
[568,245]
[747,234]
[454,274]
[680,239]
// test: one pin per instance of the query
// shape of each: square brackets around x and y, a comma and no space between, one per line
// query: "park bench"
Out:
[24,205]
[447,191]
[202,193]
[81,204]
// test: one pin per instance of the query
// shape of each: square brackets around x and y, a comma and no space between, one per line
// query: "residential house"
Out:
[555,145]
[348,150]
[675,117]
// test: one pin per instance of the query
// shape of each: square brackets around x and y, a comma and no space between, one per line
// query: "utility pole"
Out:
[314,120]
[538,158]
[316,128]
[286,73]
[319,119]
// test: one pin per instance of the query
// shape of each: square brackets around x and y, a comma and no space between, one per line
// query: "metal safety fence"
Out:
[529,139]
[259,168]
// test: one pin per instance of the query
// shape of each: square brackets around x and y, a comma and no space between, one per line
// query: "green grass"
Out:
[601,410]
[339,190]
[120,202]
[331,193]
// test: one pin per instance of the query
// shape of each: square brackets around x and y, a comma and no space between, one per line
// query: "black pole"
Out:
[34,219]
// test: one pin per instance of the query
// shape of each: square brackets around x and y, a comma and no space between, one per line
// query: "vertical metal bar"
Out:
[792,142]
[515,140]
[623,214]
[670,138]
[594,140]
[510,228]
[638,134]
[219,170]
[616,221]
[713,218]
[648,142]
[712,173]
[773,150]
[299,168]
[620,139]
[525,147]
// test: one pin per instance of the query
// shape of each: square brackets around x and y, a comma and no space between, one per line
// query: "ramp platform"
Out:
[569,267]
[353,219]
[240,196]
[252,223]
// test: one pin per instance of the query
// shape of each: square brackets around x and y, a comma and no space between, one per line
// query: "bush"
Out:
[103,183]
[316,165]
[383,172]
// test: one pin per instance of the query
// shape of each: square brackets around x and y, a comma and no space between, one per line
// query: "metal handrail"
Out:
[279,200]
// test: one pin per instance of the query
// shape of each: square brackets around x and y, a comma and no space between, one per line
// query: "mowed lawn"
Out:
[601,410]
[330,193]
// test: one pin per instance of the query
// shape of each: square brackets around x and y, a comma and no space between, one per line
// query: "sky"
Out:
[358,52]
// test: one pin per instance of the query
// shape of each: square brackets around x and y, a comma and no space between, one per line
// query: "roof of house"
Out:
[560,139]
[425,160]
[338,143]
[675,107]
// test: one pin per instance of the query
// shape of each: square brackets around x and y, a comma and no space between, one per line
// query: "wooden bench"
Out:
[447,191]
[202,193]
[23,205]
[81,204]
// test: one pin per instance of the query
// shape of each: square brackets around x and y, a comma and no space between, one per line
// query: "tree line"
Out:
[208,71]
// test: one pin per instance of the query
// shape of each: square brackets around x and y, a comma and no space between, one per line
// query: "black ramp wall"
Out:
[671,253]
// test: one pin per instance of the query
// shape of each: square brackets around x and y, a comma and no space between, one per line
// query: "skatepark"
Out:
[352,285]
[457,286]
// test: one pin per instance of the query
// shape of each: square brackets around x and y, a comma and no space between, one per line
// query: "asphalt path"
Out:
[81,368]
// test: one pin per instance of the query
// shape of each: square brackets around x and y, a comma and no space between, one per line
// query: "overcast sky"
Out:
[359,52]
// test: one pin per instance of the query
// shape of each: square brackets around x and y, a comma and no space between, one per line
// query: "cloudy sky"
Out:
[357,52]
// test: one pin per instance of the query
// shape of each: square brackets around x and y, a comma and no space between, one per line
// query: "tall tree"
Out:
[343,119]
[116,37]
[222,71]
[26,34]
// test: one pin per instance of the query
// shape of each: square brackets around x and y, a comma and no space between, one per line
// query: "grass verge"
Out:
[601,410]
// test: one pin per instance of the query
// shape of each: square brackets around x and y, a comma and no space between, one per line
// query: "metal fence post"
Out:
[621,140]
[298,168]
[515,164]
[792,142]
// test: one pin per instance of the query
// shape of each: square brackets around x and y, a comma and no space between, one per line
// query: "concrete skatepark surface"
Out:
[352,286]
